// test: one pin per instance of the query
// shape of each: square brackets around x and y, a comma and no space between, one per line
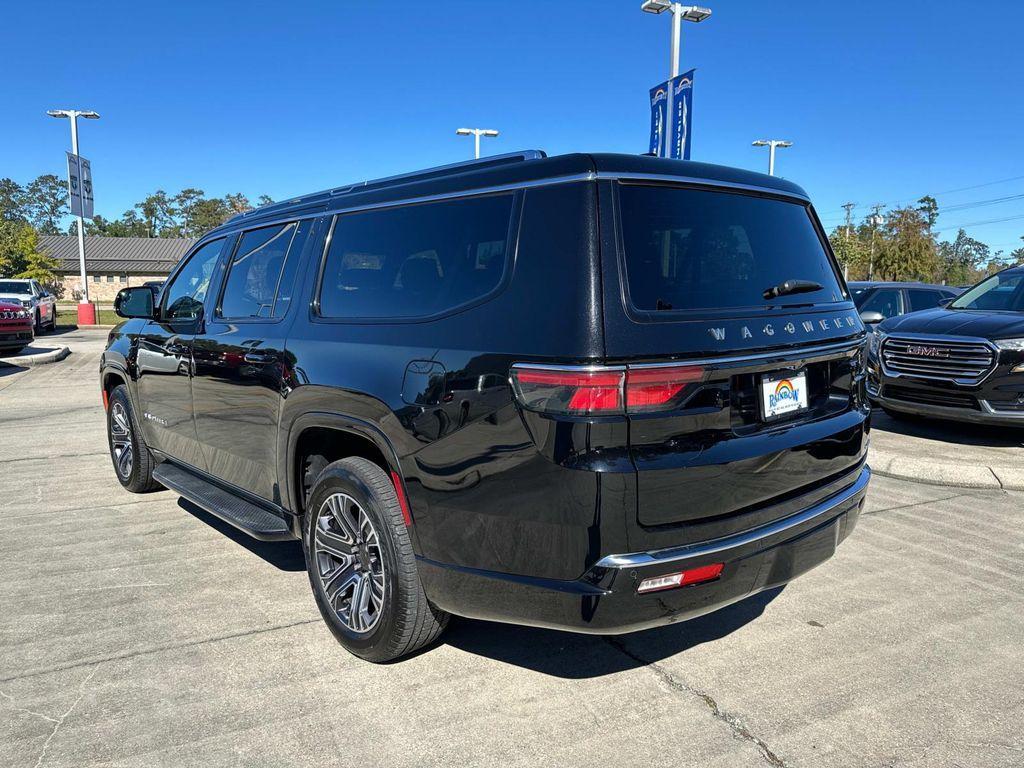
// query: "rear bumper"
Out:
[605,600]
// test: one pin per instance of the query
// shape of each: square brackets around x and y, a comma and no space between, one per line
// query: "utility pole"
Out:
[846,266]
[876,219]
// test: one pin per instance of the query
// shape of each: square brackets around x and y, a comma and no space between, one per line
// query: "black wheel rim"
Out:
[347,556]
[121,440]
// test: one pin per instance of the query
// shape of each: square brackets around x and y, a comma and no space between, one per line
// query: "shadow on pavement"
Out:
[284,555]
[574,656]
[948,431]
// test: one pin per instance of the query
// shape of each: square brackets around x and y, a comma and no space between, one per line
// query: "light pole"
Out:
[771,144]
[476,133]
[680,13]
[73,115]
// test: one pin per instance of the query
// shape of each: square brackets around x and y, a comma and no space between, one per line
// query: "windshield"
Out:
[1000,293]
[699,249]
[14,286]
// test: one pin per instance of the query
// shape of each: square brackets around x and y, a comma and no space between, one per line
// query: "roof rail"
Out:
[402,178]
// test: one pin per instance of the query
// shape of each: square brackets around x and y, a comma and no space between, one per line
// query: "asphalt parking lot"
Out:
[139,631]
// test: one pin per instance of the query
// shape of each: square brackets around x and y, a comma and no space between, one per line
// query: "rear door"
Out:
[767,407]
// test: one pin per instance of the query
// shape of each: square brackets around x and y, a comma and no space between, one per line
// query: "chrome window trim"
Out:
[676,554]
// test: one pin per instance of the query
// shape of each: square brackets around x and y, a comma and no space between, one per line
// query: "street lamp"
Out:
[477,133]
[73,115]
[680,13]
[771,144]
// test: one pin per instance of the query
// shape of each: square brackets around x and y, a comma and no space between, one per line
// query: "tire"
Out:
[37,326]
[133,463]
[394,616]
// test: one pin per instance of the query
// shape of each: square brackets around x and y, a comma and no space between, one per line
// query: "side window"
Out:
[884,300]
[416,260]
[260,277]
[924,299]
[184,297]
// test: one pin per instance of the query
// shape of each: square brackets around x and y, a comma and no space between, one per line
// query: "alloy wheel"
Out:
[348,560]
[121,440]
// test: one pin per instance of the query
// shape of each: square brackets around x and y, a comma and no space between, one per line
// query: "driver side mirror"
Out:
[135,302]
[871,318]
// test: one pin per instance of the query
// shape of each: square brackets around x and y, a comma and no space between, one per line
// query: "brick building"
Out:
[112,263]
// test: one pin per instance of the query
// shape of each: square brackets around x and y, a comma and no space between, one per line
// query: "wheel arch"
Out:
[334,436]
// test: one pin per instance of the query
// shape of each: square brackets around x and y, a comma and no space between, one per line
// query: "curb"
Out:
[40,358]
[945,473]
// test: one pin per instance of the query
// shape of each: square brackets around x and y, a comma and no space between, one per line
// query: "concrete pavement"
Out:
[948,453]
[139,631]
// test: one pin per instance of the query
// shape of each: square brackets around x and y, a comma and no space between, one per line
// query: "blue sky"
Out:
[288,98]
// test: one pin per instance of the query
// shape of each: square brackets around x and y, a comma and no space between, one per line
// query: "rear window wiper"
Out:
[789,287]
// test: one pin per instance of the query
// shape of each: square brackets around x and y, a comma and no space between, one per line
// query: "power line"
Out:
[944,192]
[978,223]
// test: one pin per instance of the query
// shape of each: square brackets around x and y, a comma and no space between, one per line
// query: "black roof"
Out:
[116,255]
[511,169]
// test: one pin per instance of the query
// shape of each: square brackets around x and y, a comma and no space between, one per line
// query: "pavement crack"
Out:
[26,711]
[914,504]
[739,730]
[159,649]
[60,720]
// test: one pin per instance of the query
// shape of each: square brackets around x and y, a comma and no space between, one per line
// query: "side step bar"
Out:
[244,515]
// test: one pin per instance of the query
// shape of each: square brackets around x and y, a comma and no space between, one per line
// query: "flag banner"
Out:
[682,115]
[659,120]
[74,185]
[85,176]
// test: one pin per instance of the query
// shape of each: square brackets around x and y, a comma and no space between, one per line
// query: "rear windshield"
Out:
[699,249]
[14,286]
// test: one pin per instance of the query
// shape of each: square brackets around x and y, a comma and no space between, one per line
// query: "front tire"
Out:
[361,564]
[133,463]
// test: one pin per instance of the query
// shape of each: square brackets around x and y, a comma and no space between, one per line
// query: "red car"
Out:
[15,327]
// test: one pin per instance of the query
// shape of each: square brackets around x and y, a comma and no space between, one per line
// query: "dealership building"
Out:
[112,263]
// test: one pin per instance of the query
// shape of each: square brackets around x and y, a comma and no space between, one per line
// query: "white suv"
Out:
[34,298]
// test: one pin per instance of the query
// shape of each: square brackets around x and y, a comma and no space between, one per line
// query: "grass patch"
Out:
[103,317]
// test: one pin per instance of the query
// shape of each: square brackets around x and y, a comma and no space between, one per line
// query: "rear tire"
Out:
[361,565]
[133,463]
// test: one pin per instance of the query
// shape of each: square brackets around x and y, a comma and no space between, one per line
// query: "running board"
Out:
[244,515]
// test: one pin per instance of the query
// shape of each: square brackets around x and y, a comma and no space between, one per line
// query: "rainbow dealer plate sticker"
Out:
[783,393]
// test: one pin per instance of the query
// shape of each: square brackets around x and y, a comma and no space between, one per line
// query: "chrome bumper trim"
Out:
[701,549]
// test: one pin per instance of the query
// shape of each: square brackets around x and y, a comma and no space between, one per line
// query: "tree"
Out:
[39,266]
[12,201]
[929,209]
[237,203]
[158,212]
[45,200]
[18,242]
[264,200]
[959,261]
[851,251]
[907,249]
[208,214]
[1017,254]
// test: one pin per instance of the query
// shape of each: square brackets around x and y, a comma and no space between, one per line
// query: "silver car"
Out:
[36,299]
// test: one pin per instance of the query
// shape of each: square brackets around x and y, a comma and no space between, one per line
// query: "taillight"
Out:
[682,578]
[569,390]
[602,391]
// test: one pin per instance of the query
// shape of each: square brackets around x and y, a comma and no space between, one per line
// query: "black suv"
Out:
[591,392]
[962,361]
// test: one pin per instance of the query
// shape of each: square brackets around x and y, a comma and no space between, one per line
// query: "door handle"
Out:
[176,349]
[259,357]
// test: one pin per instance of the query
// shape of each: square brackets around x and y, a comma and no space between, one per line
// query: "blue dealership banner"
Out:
[682,115]
[659,120]
[672,117]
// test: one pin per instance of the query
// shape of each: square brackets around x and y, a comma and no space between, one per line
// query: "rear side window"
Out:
[696,249]
[924,299]
[262,271]
[417,260]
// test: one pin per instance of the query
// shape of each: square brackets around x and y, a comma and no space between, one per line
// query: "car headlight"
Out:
[23,313]
[1015,345]
[875,339]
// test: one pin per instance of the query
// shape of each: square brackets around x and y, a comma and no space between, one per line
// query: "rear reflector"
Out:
[603,391]
[106,400]
[403,502]
[681,579]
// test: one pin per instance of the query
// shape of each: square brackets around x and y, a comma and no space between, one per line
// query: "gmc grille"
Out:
[962,362]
